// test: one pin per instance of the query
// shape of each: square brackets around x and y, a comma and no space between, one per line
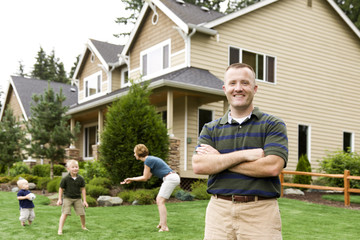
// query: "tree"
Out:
[303,166]
[49,67]
[352,10]
[132,120]
[73,68]
[235,5]
[12,140]
[49,128]
[21,70]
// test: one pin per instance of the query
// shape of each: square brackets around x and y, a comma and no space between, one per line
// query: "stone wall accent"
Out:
[95,151]
[72,153]
[174,154]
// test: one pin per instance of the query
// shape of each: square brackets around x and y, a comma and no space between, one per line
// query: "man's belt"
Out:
[241,198]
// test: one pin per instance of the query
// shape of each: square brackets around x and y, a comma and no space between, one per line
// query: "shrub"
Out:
[303,165]
[42,182]
[91,201]
[337,162]
[101,181]
[5,179]
[41,170]
[96,191]
[184,196]
[127,196]
[177,188]
[145,196]
[58,170]
[199,190]
[94,169]
[30,178]
[53,185]
[19,168]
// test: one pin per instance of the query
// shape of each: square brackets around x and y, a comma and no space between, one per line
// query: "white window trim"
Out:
[91,77]
[151,49]
[123,84]
[264,64]
[352,139]
[308,140]
[84,140]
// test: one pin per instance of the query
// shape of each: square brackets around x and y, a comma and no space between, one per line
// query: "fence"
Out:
[346,189]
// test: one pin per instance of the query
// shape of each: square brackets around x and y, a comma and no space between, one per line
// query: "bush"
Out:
[5,179]
[337,162]
[19,168]
[42,182]
[30,178]
[145,196]
[58,170]
[127,196]
[91,201]
[184,196]
[96,191]
[303,166]
[199,190]
[53,185]
[93,170]
[177,188]
[44,170]
[41,170]
[101,181]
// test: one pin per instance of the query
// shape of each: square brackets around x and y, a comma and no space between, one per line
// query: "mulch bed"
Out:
[316,197]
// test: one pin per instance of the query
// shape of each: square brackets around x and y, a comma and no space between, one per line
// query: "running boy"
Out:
[73,188]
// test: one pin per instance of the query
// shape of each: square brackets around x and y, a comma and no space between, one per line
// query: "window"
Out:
[205,116]
[93,84]
[348,142]
[125,78]
[263,65]
[303,141]
[163,115]
[90,139]
[155,59]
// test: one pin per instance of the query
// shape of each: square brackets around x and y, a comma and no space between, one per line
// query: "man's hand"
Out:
[206,149]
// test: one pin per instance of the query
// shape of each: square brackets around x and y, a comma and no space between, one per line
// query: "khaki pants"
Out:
[258,220]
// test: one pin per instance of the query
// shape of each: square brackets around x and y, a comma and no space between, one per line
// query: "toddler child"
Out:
[25,203]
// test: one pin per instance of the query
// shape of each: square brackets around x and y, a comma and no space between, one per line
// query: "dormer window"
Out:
[93,84]
[155,59]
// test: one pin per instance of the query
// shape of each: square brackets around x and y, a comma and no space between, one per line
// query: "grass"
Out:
[340,198]
[300,220]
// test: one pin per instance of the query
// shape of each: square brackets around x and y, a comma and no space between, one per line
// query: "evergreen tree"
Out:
[352,10]
[73,68]
[235,5]
[49,128]
[12,140]
[49,67]
[132,120]
[303,166]
[21,70]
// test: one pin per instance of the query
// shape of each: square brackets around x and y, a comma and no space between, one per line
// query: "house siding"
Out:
[13,103]
[316,77]
[150,35]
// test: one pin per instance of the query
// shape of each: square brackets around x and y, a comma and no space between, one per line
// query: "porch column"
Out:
[169,111]
[100,124]
[72,126]
[226,106]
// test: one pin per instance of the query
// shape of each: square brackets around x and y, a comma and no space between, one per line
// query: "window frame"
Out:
[308,141]
[98,83]
[125,71]
[145,69]
[264,63]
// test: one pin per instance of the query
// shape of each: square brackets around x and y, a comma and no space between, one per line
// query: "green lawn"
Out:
[300,220]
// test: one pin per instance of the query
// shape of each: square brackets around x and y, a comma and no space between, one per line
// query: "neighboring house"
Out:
[306,55]
[21,90]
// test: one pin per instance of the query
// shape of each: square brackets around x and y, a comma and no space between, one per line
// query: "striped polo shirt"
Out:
[261,130]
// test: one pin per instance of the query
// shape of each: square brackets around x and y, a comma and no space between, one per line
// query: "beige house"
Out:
[306,55]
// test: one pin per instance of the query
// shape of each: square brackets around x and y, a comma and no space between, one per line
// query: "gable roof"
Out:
[188,78]
[107,53]
[185,15]
[25,88]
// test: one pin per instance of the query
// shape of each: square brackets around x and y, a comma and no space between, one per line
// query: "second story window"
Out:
[93,84]
[155,59]
[264,65]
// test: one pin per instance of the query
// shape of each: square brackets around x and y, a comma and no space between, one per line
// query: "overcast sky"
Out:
[60,25]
